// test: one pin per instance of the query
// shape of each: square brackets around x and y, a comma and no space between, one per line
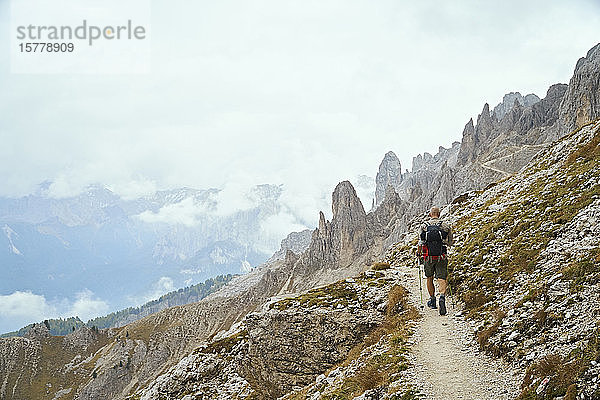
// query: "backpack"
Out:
[433,238]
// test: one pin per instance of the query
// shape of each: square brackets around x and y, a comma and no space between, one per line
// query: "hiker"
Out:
[435,236]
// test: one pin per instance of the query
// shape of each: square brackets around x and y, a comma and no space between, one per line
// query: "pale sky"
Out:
[299,93]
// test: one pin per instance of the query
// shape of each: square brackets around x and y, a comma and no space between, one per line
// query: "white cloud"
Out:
[185,212]
[25,305]
[284,89]
[162,286]
[87,306]
[277,227]
[134,188]
[22,308]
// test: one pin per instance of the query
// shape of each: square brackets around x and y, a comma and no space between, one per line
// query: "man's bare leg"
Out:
[430,286]
[443,284]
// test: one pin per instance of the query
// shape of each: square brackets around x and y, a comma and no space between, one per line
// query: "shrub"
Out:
[380,266]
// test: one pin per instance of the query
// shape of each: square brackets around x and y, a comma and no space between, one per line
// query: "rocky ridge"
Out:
[284,346]
[508,102]
[296,242]
[498,144]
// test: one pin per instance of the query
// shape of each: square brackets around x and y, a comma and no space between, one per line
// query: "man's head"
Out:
[434,212]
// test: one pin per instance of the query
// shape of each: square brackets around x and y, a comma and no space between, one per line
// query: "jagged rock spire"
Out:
[346,235]
[469,141]
[390,174]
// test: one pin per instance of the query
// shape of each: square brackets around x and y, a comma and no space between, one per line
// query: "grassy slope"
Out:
[50,375]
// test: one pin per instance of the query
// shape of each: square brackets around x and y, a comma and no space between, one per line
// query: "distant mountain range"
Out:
[119,249]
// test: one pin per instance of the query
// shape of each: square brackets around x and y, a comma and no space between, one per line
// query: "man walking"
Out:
[435,236]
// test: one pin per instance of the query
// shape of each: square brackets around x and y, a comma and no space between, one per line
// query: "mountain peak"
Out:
[345,201]
[508,102]
[389,174]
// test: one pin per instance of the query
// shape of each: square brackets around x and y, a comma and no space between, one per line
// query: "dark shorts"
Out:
[439,268]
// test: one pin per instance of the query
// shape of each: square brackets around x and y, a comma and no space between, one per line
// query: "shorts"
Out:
[437,267]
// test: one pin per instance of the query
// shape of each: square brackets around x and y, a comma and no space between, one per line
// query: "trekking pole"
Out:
[450,293]
[420,283]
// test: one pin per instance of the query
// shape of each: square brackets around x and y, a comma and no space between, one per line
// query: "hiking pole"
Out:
[449,286]
[420,283]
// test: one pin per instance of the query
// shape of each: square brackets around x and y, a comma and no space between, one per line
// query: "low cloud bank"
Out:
[20,308]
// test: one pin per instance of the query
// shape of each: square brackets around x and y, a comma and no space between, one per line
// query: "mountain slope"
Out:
[526,265]
[500,287]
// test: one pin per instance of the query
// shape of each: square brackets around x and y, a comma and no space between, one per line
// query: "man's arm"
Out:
[421,242]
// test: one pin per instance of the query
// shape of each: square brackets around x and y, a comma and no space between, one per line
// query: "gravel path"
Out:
[448,363]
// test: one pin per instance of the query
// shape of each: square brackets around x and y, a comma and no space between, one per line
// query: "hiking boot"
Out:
[442,305]
[431,303]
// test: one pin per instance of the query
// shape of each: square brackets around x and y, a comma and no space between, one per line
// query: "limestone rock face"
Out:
[295,242]
[546,111]
[318,340]
[349,223]
[80,339]
[509,100]
[390,174]
[500,143]
[468,144]
[485,124]
[338,241]
[38,332]
[581,102]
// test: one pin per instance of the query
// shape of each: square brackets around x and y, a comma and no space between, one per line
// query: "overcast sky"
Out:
[299,93]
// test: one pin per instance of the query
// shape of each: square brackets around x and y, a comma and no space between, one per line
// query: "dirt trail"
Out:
[448,364]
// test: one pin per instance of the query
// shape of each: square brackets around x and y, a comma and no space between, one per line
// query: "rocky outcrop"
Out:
[284,346]
[339,241]
[389,174]
[469,144]
[581,102]
[80,339]
[38,332]
[296,242]
[508,102]
[291,347]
